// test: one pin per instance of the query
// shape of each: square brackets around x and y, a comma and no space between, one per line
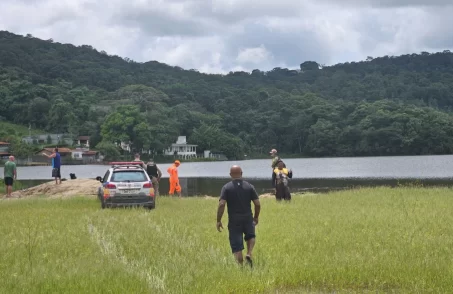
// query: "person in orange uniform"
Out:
[174,180]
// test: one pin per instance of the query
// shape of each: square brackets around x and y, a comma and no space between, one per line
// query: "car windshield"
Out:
[128,176]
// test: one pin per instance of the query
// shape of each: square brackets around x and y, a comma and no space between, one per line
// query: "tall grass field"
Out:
[360,241]
[17,185]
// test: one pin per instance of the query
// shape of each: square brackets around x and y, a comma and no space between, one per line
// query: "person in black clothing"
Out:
[280,179]
[238,195]
[155,174]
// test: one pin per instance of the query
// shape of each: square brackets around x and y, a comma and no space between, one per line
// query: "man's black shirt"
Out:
[239,194]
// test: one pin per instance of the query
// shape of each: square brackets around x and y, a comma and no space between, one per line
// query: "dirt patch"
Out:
[84,187]
[210,197]
[266,195]
[69,188]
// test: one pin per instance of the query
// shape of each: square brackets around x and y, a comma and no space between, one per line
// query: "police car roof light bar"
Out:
[122,163]
[125,162]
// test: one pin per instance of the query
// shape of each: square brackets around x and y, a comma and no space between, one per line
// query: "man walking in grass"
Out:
[10,174]
[238,195]
[174,179]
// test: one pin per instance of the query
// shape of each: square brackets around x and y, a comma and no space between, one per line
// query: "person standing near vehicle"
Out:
[10,174]
[155,174]
[56,165]
[174,179]
[137,158]
[238,195]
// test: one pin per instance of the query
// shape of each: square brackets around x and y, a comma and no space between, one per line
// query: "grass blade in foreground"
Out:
[353,241]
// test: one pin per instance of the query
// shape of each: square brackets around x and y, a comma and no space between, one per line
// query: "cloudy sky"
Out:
[218,36]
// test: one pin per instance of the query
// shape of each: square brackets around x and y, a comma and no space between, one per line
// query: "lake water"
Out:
[400,167]
[319,174]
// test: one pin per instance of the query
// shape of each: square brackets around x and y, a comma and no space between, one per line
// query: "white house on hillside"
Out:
[182,149]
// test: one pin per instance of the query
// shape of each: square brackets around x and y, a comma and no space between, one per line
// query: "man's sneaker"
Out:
[249,260]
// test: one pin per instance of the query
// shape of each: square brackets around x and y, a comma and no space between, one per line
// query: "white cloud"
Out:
[225,35]
[203,54]
[254,56]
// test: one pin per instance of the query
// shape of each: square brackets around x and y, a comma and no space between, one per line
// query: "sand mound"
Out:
[83,187]
[69,188]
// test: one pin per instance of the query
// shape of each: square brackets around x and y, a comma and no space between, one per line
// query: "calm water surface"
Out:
[402,167]
[318,174]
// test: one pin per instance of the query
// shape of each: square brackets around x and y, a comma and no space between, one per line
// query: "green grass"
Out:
[19,130]
[17,185]
[386,240]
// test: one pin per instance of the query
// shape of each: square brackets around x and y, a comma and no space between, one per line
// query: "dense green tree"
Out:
[380,106]
[109,150]
[127,125]
[211,137]
[19,148]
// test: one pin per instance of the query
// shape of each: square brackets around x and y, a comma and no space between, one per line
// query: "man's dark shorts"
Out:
[238,228]
[9,181]
[56,172]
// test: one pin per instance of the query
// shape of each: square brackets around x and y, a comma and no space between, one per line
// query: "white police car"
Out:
[126,184]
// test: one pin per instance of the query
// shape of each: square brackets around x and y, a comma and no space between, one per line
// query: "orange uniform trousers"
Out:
[174,180]
[174,186]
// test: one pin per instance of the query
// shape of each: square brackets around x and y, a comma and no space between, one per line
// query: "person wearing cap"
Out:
[174,179]
[275,159]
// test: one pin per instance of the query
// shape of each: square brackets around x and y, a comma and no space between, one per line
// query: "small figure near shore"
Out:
[238,195]
[174,179]
[280,179]
[10,175]
[56,165]
[275,159]
[137,158]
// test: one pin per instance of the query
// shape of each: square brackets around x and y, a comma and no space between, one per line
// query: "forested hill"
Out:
[383,106]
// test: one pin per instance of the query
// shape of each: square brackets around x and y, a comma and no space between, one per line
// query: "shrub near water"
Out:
[353,241]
